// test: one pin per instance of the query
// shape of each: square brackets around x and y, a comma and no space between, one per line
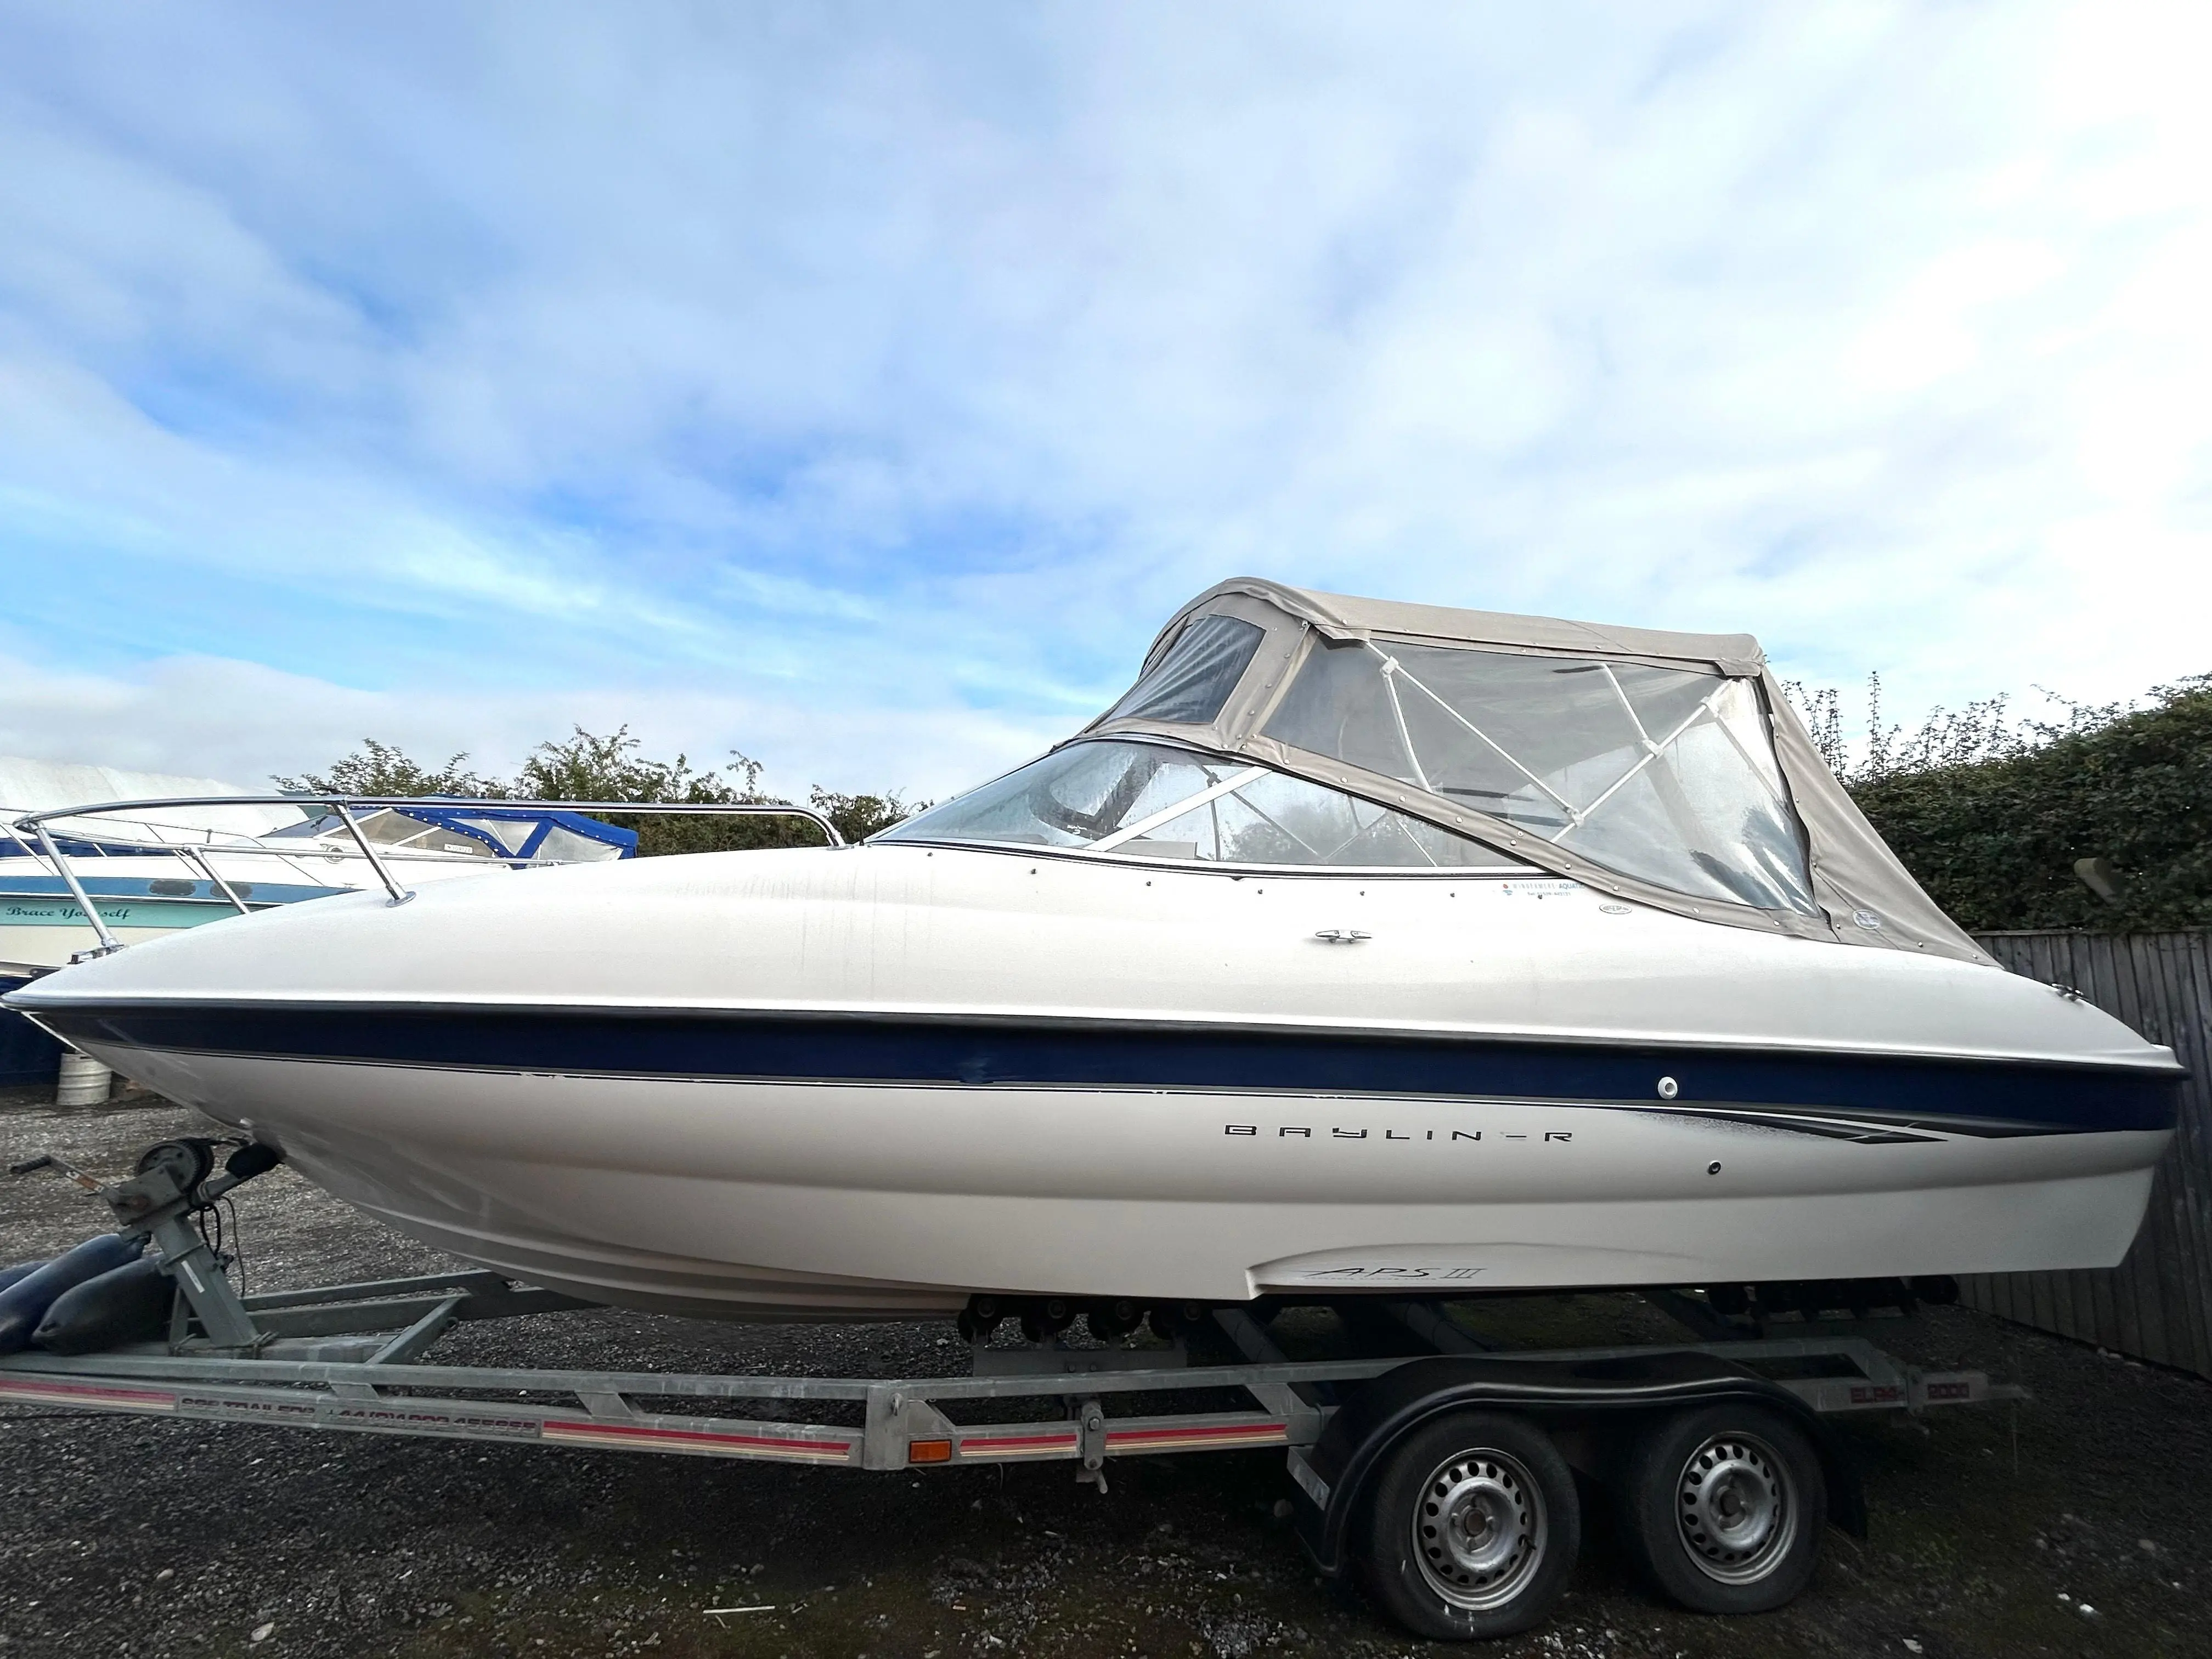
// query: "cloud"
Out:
[785,376]
[243,723]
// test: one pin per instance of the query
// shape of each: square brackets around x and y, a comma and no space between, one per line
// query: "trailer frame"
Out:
[350,1357]
[339,1356]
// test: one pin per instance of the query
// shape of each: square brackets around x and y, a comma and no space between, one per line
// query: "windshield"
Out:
[1664,774]
[1154,800]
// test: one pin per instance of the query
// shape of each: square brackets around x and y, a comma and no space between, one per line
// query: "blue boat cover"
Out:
[533,824]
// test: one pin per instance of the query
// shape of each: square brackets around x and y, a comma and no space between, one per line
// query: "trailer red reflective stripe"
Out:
[1197,1437]
[40,1391]
[1017,1445]
[643,1437]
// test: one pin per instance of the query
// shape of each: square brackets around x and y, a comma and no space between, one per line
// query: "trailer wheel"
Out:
[1470,1529]
[1723,1507]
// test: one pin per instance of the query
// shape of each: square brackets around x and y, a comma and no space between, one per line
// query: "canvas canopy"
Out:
[1664,768]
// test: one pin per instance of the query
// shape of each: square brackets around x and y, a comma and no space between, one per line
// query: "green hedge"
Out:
[1995,843]
[584,767]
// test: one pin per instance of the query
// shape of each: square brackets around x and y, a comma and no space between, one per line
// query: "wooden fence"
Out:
[2156,1304]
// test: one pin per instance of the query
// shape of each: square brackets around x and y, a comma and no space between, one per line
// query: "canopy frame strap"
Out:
[1235,782]
[1703,711]
[1393,671]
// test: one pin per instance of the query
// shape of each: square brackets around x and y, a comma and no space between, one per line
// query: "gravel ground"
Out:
[1994,1532]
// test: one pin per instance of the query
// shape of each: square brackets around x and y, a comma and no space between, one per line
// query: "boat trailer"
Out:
[1444,1478]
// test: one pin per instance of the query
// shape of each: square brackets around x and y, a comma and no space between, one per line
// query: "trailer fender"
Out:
[1333,1475]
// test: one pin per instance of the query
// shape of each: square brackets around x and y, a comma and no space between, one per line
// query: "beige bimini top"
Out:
[1666,769]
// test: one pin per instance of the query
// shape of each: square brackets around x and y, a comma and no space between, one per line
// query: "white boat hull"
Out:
[769,1201]
[870,1083]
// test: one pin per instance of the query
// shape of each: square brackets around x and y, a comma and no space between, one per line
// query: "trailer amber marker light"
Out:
[929,1451]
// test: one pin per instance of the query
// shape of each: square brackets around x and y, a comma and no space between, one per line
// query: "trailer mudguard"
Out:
[1595,1393]
[24,1304]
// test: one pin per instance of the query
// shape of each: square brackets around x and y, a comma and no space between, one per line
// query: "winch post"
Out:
[152,1205]
[185,1257]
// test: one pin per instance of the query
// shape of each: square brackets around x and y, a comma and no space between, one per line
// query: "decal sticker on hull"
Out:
[1337,1132]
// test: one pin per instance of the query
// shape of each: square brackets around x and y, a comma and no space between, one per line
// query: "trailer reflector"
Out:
[929,1451]
[643,1437]
[1197,1437]
[41,1391]
[1019,1445]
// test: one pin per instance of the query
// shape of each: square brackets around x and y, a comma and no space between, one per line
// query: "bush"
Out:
[585,767]
[1995,836]
[378,768]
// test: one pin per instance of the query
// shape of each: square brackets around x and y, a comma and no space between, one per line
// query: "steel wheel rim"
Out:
[1478,1528]
[1735,1508]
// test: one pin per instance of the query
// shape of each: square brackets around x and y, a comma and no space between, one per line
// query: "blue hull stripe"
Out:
[1959,1097]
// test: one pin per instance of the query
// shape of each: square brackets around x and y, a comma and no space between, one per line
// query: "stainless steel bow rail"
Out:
[351,1358]
[344,807]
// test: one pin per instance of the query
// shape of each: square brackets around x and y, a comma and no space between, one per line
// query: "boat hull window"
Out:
[1189,684]
[1664,774]
[1153,801]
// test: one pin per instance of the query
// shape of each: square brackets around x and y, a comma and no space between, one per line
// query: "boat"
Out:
[1361,948]
[188,851]
[150,867]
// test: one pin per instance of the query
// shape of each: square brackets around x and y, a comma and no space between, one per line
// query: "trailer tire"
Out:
[1722,1507]
[1470,1529]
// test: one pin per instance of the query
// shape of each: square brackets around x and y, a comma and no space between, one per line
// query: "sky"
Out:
[860,386]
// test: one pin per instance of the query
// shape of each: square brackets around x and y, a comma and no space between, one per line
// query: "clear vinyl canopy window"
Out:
[1664,774]
[1188,685]
[1155,800]
[389,827]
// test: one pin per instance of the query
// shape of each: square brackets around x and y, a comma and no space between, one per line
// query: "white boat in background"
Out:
[1360,948]
[172,859]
